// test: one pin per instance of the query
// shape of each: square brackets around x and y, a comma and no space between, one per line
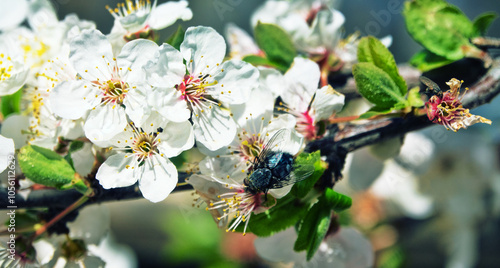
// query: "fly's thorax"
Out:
[259,180]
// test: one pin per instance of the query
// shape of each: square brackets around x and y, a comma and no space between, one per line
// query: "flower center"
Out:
[251,147]
[124,9]
[194,88]
[145,145]
[306,126]
[114,91]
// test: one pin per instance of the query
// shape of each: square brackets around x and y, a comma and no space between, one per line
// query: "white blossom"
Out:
[143,152]
[204,92]
[110,88]
[305,101]
[137,20]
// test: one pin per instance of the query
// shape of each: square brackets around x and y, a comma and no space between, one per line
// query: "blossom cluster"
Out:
[135,103]
[146,103]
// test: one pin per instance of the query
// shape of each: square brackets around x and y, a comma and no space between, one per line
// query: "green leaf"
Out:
[75,146]
[275,43]
[414,97]
[46,167]
[440,27]
[261,61]
[376,85]
[301,188]
[426,60]
[483,22]
[11,104]
[370,49]
[313,228]
[336,201]
[176,38]
[287,212]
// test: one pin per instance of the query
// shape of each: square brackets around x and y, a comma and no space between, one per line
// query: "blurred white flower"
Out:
[12,13]
[144,152]
[6,153]
[346,248]
[315,26]
[208,84]
[240,42]
[140,19]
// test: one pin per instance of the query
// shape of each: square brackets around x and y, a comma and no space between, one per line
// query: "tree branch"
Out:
[340,140]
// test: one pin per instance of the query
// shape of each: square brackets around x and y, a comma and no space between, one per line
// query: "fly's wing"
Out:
[299,173]
[275,144]
[431,86]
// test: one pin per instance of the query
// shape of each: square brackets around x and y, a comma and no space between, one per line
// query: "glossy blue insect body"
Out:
[275,168]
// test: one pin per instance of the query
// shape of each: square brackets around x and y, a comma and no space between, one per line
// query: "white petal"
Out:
[293,142]
[256,111]
[401,186]
[72,99]
[282,121]
[16,80]
[6,153]
[134,55]
[115,255]
[91,225]
[158,180]
[12,13]
[103,123]
[326,102]
[272,80]
[304,72]
[235,82]
[135,21]
[168,102]
[136,105]
[386,40]
[270,11]
[214,128]
[176,138]
[115,37]
[280,192]
[302,81]
[168,70]
[90,54]
[14,127]
[166,14]
[221,167]
[240,42]
[44,251]
[279,247]
[326,29]
[202,47]
[83,159]
[357,249]
[114,173]
[42,15]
